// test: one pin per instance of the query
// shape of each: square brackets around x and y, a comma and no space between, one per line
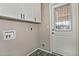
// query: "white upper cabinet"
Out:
[22,11]
[31,11]
[37,12]
[9,10]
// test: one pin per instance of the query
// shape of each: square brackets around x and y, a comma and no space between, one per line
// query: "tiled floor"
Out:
[43,53]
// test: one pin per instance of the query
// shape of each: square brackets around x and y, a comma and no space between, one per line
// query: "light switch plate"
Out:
[9,34]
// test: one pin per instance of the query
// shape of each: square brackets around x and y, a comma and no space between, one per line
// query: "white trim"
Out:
[77,41]
[78,30]
[51,48]
[32,52]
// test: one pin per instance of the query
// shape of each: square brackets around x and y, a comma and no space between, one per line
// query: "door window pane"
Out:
[63,17]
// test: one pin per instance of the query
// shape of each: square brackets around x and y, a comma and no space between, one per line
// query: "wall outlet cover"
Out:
[9,34]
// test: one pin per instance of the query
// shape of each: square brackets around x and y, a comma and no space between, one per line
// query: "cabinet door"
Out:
[37,12]
[28,10]
[21,11]
[9,10]
[32,11]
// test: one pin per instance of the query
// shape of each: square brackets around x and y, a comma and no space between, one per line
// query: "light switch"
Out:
[10,34]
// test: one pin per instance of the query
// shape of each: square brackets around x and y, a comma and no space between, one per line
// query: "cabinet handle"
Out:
[21,15]
[35,19]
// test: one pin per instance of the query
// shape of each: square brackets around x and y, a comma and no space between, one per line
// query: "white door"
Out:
[64,26]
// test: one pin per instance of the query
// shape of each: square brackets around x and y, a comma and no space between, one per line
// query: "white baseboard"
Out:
[37,49]
[31,52]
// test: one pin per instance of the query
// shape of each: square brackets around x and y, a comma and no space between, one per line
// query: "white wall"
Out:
[44,28]
[25,42]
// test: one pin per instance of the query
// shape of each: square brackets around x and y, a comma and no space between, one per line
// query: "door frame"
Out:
[77,27]
[51,41]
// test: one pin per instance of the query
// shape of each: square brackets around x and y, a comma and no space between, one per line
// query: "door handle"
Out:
[52,29]
[52,32]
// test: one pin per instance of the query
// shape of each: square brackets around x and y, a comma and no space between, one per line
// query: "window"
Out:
[63,17]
